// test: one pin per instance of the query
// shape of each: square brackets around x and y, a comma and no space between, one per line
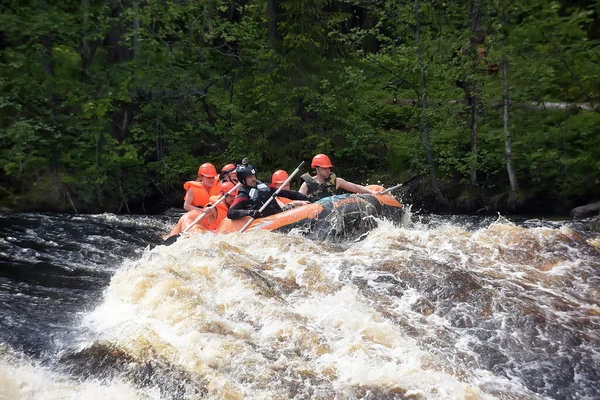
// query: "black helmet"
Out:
[244,171]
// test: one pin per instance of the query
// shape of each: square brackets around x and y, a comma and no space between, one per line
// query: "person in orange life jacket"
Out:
[278,178]
[214,217]
[198,192]
[254,194]
[228,174]
[325,183]
[218,214]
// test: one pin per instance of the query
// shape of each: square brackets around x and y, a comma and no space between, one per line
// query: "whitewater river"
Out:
[438,308]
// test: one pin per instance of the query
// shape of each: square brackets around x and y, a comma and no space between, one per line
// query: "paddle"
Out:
[274,195]
[398,185]
[172,239]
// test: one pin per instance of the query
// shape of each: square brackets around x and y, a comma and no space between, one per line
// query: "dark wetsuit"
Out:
[250,198]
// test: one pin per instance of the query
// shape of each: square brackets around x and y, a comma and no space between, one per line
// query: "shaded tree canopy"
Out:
[111,105]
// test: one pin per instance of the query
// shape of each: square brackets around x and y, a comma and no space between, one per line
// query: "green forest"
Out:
[112,105]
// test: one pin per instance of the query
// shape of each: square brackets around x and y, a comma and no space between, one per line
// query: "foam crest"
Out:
[444,312]
[263,315]
[21,379]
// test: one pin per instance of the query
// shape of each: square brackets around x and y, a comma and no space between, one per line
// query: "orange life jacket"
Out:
[201,195]
[222,209]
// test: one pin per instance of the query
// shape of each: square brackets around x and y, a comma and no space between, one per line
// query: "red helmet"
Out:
[227,186]
[228,168]
[279,176]
[321,160]
[208,170]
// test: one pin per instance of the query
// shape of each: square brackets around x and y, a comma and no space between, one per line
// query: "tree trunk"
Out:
[229,114]
[476,26]
[117,53]
[512,176]
[87,49]
[136,32]
[47,64]
[272,24]
[477,38]
[474,132]
[547,105]
[424,122]
[46,42]
[85,44]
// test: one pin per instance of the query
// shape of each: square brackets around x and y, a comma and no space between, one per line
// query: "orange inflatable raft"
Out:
[339,216]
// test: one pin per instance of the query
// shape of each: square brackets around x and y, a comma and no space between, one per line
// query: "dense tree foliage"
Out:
[112,104]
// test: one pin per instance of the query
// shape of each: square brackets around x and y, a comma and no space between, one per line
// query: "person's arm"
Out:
[211,215]
[239,209]
[303,189]
[189,199]
[297,203]
[292,194]
[352,187]
[299,198]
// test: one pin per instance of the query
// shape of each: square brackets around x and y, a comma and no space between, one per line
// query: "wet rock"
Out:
[490,356]
[374,392]
[551,378]
[261,282]
[455,286]
[423,306]
[586,211]
[107,360]
[392,286]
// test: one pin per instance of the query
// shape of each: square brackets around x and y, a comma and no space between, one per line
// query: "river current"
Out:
[438,307]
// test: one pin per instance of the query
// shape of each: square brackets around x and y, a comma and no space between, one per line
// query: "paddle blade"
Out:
[171,239]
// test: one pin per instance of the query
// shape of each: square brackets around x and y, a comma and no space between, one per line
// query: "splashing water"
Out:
[431,309]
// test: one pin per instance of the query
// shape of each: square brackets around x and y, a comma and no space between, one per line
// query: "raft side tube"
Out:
[329,217]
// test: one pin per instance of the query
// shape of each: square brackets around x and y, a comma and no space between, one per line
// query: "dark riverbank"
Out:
[417,194]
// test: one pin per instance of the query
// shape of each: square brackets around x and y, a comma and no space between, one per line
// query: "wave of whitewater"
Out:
[415,312]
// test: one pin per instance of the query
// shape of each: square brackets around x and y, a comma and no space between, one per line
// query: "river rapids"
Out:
[436,307]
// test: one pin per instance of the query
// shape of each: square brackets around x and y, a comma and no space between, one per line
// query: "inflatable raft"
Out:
[340,216]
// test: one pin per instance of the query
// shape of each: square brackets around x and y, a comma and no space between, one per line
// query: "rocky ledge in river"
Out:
[586,211]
